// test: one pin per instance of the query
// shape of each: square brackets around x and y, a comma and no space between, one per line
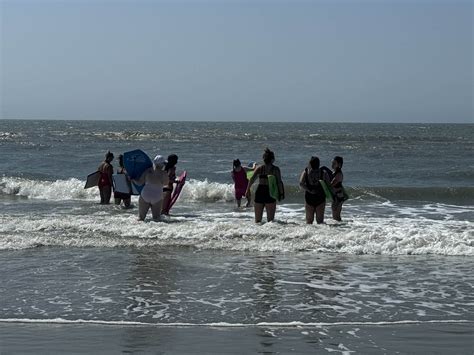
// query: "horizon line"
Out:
[221,121]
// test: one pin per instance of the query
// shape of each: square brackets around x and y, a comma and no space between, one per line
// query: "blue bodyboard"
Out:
[136,162]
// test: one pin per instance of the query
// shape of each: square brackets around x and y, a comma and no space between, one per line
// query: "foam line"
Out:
[232,325]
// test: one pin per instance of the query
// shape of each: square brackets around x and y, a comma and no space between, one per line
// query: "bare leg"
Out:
[166,201]
[258,212]
[320,213]
[118,200]
[239,201]
[270,208]
[127,202]
[156,210]
[107,191]
[310,210]
[143,207]
[336,211]
[249,198]
[102,195]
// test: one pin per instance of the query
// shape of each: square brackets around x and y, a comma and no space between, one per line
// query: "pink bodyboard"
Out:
[176,192]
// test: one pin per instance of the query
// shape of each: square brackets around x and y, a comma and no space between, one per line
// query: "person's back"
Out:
[263,196]
[151,195]
[239,176]
[122,196]
[315,198]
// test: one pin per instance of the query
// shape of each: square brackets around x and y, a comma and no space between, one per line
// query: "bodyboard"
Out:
[251,166]
[121,184]
[92,179]
[273,187]
[176,192]
[346,195]
[249,174]
[327,171]
[136,162]
[327,190]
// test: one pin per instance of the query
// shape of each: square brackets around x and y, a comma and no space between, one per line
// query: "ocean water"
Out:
[394,277]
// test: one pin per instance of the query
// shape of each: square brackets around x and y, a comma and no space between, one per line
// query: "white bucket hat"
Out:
[159,160]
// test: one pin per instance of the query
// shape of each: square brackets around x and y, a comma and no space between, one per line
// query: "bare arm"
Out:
[337,179]
[303,181]
[252,180]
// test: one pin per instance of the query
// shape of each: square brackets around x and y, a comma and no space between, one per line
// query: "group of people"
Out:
[314,179]
[157,184]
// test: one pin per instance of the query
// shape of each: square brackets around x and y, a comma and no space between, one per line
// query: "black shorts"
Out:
[262,195]
[121,195]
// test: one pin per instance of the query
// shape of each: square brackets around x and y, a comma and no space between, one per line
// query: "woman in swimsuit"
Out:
[170,168]
[262,195]
[336,184]
[315,198]
[239,176]
[122,196]
[105,181]
[154,179]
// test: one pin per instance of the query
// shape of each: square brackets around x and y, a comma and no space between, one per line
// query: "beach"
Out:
[395,276]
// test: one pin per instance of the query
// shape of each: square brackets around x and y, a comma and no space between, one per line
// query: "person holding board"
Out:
[151,196]
[311,181]
[270,187]
[105,182]
[122,196]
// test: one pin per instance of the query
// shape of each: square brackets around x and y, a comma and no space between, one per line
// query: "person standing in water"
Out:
[105,180]
[170,168]
[315,198]
[239,176]
[122,196]
[151,195]
[263,197]
[336,183]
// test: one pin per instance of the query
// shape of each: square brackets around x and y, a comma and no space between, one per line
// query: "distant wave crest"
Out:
[208,191]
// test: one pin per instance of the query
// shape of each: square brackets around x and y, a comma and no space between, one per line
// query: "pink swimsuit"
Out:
[241,182]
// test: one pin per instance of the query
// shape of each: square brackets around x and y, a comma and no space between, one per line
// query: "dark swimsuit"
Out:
[314,199]
[262,195]
[339,197]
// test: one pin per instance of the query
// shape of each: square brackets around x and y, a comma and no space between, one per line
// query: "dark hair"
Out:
[236,163]
[172,161]
[109,155]
[314,163]
[339,160]
[120,160]
[268,156]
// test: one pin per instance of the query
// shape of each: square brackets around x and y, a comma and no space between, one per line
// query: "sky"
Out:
[260,60]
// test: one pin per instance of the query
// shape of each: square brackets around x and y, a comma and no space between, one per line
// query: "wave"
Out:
[208,191]
[231,325]
[236,231]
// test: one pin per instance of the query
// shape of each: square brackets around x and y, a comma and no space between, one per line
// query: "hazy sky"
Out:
[369,61]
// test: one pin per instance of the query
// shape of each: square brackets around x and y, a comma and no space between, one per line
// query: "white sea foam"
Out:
[205,230]
[293,324]
[73,189]
[376,228]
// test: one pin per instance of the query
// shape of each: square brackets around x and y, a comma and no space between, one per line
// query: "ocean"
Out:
[395,276]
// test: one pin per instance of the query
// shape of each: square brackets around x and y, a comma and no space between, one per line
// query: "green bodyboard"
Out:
[273,187]
[327,190]
[346,195]
[249,174]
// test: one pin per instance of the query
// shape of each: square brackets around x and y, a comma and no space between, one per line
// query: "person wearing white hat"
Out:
[151,195]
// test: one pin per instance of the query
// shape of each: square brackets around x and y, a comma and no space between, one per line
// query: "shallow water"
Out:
[394,277]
